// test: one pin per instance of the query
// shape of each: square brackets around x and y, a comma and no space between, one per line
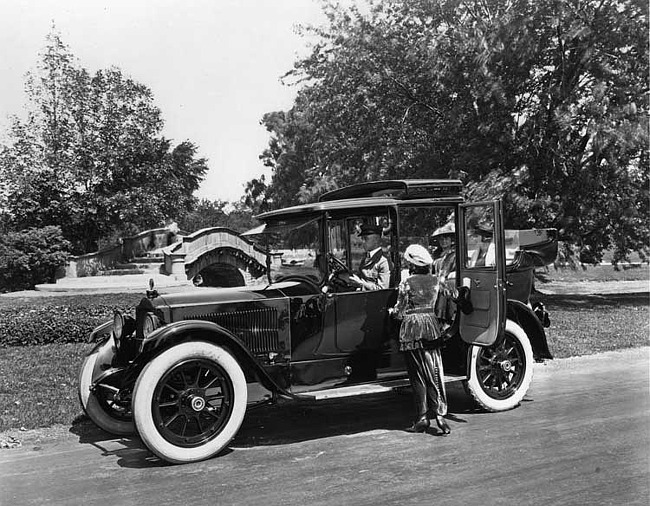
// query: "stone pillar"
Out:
[178,266]
[70,270]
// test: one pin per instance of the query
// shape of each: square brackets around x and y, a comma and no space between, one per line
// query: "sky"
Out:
[214,66]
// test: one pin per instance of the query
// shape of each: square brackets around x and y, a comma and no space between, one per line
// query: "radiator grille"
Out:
[257,328]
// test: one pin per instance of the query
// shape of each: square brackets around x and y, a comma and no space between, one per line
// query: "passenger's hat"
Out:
[417,255]
[369,229]
[446,229]
[484,229]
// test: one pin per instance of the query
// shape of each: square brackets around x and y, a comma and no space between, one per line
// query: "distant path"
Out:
[580,437]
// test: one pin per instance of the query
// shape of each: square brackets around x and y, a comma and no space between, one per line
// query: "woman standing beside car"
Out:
[420,339]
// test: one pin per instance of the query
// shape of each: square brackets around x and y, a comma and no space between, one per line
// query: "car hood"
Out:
[203,295]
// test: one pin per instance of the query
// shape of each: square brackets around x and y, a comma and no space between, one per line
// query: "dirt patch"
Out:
[24,438]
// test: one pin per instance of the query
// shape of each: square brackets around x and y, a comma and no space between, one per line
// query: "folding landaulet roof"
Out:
[400,189]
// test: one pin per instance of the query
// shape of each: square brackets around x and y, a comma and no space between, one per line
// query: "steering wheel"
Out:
[335,265]
[339,278]
[300,279]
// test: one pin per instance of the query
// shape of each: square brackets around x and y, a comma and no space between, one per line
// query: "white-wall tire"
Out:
[499,376]
[112,417]
[189,402]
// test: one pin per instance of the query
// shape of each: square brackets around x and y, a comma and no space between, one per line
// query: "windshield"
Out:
[294,247]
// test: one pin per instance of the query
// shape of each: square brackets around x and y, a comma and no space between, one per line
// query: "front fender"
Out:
[524,316]
[200,330]
[101,332]
[105,368]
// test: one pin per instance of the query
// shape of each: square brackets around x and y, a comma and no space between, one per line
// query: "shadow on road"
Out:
[129,450]
[291,422]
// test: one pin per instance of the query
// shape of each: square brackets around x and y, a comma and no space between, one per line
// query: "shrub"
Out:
[31,256]
[61,319]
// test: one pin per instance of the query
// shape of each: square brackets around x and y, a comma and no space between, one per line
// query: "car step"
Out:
[368,388]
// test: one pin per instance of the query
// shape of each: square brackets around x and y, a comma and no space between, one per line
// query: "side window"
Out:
[353,240]
[480,250]
[431,227]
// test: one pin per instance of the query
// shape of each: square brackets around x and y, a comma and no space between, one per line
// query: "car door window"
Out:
[480,249]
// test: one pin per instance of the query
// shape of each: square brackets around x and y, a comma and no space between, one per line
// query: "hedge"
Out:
[26,321]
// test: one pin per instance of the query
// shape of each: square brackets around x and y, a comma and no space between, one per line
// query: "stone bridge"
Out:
[221,256]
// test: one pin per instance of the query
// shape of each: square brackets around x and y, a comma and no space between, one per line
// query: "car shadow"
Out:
[130,451]
[290,422]
[294,422]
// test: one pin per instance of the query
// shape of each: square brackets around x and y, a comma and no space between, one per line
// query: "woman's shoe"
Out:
[420,426]
[442,424]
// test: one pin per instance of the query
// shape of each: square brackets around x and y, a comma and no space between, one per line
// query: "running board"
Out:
[366,388]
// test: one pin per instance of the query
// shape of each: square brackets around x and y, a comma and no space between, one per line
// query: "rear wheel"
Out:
[189,402]
[105,405]
[499,376]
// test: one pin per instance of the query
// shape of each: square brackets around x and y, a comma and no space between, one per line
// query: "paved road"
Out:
[580,437]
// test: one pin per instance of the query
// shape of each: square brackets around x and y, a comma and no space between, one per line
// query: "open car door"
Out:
[482,270]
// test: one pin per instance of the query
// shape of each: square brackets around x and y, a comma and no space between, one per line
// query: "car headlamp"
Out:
[118,327]
[149,324]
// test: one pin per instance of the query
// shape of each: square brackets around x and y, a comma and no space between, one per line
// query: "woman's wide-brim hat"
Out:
[446,229]
[418,255]
[484,229]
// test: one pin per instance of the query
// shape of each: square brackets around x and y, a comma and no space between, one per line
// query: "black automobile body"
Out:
[176,370]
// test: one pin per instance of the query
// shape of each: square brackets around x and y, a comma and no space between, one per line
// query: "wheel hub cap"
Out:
[506,365]
[197,403]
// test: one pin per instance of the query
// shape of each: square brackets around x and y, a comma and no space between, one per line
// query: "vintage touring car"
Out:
[176,370]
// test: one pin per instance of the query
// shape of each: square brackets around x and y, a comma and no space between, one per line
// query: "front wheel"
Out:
[189,402]
[106,405]
[499,376]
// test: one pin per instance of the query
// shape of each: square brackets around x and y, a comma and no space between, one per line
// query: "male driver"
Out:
[374,269]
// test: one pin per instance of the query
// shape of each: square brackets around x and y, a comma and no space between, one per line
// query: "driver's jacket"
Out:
[374,272]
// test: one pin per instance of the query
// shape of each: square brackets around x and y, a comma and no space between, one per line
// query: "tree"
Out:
[540,102]
[207,213]
[89,155]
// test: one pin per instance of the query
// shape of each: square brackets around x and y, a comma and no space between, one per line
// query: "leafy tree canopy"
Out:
[543,103]
[235,216]
[89,155]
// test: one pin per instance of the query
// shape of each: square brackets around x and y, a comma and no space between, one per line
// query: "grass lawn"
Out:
[625,272]
[38,384]
[586,324]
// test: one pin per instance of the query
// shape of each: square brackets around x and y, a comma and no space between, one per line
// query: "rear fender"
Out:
[200,330]
[524,316]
